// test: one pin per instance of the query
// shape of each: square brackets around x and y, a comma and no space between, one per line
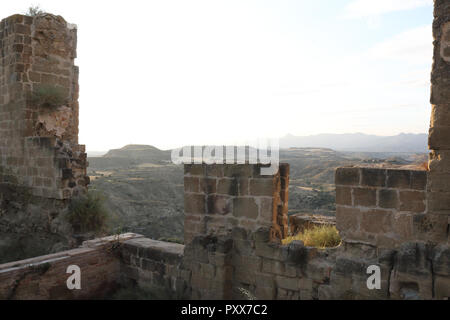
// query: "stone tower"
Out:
[41,164]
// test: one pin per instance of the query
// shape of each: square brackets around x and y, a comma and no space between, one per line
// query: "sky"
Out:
[191,72]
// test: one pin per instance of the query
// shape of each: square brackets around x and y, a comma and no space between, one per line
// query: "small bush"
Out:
[318,236]
[49,96]
[87,213]
[34,11]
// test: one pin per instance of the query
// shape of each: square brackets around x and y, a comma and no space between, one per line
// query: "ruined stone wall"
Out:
[155,266]
[39,144]
[396,220]
[382,218]
[384,207]
[41,163]
[45,277]
[438,201]
[218,198]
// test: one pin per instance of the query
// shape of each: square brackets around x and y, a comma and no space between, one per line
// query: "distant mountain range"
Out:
[353,142]
[359,142]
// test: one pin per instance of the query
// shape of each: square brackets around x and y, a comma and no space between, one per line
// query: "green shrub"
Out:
[49,96]
[87,213]
[318,236]
[34,11]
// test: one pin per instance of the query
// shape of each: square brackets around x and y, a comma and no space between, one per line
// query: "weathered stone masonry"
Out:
[40,158]
[221,197]
[438,201]
[392,218]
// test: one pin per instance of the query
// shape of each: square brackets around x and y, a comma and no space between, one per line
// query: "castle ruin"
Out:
[42,166]
[235,218]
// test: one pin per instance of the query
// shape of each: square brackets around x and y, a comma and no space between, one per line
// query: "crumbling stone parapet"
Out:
[219,198]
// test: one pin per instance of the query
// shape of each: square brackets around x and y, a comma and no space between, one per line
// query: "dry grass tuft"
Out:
[318,236]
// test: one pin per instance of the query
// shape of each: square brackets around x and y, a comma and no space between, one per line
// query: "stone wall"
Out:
[45,277]
[41,163]
[218,198]
[384,207]
[393,219]
[438,202]
[155,266]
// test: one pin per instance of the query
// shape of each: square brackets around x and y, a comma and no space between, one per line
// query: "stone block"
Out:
[273,267]
[400,179]
[219,204]
[288,283]
[265,292]
[263,187]
[191,184]
[194,169]
[347,176]
[194,203]
[266,210]
[419,179]
[439,136]
[243,247]
[439,181]
[441,260]
[347,219]
[269,250]
[245,207]
[442,288]
[238,170]
[243,186]
[364,197]
[343,195]
[388,199]
[214,170]
[373,177]
[439,202]
[431,227]
[440,115]
[377,221]
[403,225]
[439,161]
[228,186]
[243,275]
[413,201]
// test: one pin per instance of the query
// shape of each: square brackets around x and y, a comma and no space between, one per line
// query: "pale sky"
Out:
[182,72]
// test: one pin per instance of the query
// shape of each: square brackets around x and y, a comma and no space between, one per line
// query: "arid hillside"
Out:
[144,190]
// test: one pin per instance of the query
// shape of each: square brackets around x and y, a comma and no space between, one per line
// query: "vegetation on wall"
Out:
[87,213]
[319,236]
[48,96]
[34,11]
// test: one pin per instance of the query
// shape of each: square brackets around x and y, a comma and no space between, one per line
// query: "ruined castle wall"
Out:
[45,277]
[41,164]
[439,136]
[384,207]
[155,266]
[382,218]
[39,144]
[218,198]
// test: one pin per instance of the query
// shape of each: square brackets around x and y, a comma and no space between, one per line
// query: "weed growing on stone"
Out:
[88,213]
[318,236]
[48,96]
[34,11]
